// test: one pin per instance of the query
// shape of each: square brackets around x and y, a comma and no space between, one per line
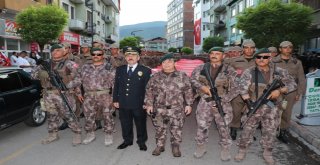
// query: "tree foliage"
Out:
[129,41]
[272,22]
[172,49]
[210,42]
[41,24]
[186,50]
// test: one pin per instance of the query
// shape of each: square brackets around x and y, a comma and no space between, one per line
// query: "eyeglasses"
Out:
[262,57]
[96,54]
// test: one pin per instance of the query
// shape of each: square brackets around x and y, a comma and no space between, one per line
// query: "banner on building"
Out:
[70,37]
[197,32]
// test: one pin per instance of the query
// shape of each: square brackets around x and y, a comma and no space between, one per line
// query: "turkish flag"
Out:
[197,32]
[4,60]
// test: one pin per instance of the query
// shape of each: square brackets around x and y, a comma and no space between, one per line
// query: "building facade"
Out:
[180,24]
[313,42]
[10,41]
[201,23]
[90,20]
[158,44]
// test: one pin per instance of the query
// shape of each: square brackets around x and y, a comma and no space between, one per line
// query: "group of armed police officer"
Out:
[229,89]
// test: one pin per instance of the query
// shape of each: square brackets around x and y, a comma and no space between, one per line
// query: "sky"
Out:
[138,11]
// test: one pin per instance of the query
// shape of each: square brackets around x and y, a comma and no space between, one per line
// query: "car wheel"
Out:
[36,116]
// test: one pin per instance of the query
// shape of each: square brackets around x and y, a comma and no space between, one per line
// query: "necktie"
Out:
[130,71]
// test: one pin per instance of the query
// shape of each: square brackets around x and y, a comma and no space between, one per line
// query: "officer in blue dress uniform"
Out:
[128,96]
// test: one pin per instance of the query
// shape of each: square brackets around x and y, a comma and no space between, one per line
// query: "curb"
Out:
[305,134]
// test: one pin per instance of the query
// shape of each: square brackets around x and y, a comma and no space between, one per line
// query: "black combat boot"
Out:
[283,136]
[233,133]
[98,124]
[64,125]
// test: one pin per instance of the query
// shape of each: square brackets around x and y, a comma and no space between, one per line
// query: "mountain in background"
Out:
[148,31]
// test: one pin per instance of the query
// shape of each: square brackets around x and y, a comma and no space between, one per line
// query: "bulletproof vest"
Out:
[221,81]
[261,83]
[44,79]
[63,71]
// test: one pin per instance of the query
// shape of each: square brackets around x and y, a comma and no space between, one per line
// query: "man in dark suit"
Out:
[128,96]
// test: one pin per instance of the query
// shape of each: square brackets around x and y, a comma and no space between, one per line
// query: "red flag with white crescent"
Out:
[197,32]
[4,60]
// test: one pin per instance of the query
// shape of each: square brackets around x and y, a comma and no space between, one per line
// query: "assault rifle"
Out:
[214,92]
[263,99]
[56,81]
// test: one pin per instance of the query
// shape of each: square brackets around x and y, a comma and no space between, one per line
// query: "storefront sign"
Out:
[72,38]
[11,28]
[85,40]
[312,99]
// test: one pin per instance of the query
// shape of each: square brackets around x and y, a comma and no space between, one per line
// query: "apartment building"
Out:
[313,42]
[158,44]
[180,24]
[201,23]
[235,7]
[90,20]
[10,41]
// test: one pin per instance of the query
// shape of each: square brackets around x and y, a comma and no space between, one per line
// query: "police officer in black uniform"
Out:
[128,96]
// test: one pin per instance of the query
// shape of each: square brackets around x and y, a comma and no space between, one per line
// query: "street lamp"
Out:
[133,32]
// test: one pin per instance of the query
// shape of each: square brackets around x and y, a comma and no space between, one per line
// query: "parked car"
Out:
[19,98]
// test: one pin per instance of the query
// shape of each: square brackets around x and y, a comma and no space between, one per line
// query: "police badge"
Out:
[140,73]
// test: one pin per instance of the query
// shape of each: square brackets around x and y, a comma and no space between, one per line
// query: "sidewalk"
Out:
[309,135]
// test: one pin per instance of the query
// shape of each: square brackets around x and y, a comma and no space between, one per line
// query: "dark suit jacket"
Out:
[130,91]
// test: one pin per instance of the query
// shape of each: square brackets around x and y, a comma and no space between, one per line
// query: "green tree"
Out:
[186,50]
[172,49]
[41,24]
[271,22]
[210,42]
[129,41]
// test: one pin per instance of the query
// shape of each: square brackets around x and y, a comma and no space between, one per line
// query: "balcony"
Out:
[77,1]
[75,24]
[219,6]
[113,3]
[220,24]
[106,18]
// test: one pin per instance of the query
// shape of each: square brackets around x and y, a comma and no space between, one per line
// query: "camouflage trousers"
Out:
[266,116]
[205,113]
[93,103]
[172,118]
[57,109]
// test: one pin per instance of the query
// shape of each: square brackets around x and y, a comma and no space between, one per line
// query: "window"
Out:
[12,44]
[24,45]
[240,31]
[249,3]
[203,27]
[241,6]
[65,7]
[72,12]
[233,30]
[24,80]
[2,46]
[233,11]
[10,82]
